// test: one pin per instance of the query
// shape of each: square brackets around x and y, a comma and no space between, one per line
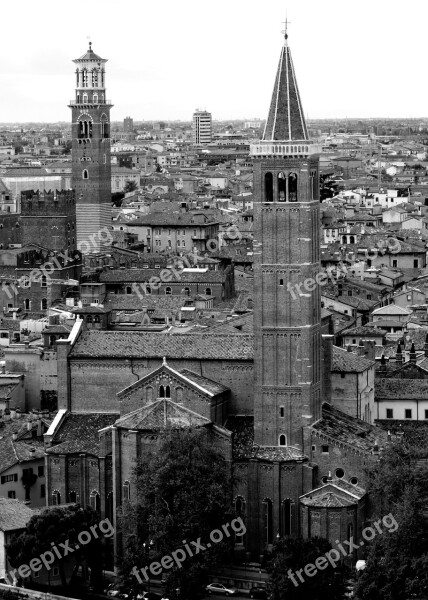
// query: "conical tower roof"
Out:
[90,56]
[286,121]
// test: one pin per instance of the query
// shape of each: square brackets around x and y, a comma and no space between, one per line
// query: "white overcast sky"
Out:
[166,57]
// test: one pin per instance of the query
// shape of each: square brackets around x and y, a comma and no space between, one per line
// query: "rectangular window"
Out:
[415,263]
[9,478]
[43,491]
[394,263]
[426,414]
[41,471]
[408,413]
[281,411]
[389,413]
[324,449]
[349,292]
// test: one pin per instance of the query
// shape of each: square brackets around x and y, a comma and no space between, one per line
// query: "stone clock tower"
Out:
[91,176]
[286,252]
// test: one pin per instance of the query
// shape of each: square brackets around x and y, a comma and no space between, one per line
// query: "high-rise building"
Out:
[91,165]
[202,127]
[286,217]
[128,124]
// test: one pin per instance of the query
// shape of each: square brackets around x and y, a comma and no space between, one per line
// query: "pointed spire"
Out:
[399,354]
[286,121]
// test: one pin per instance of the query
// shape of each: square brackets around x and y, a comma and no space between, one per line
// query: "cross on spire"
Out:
[285,30]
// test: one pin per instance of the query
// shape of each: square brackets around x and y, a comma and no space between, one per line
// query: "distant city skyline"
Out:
[164,64]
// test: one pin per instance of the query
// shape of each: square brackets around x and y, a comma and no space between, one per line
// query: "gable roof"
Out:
[348,362]
[203,384]
[161,414]
[391,309]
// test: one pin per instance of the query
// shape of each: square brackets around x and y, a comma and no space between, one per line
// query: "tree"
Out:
[293,554]
[130,186]
[53,527]
[183,492]
[396,560]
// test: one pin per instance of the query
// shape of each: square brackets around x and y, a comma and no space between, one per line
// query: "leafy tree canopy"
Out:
[183,492]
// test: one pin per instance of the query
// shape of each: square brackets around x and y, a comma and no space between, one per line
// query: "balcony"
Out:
[81,104]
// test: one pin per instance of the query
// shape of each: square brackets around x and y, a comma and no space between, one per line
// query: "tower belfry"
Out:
[286,254]
[91,163]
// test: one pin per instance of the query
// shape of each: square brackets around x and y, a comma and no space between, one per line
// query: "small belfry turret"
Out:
[91,164]
[287,262]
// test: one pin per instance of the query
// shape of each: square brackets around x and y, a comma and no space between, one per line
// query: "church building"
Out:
[264,398]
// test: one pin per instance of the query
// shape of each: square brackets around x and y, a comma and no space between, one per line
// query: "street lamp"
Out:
[147,546]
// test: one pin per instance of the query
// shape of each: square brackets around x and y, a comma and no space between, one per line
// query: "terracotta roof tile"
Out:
[14,514]
[130,344]
[79,433]
[348,362]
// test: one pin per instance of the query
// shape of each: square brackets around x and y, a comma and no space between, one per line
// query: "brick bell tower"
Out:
[91,175]
[286,253]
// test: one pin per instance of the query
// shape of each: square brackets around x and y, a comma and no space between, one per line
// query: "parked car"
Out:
[114,592]
[219,588]
[258,592]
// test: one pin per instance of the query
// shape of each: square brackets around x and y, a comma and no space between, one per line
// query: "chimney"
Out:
[6,414]
[382,367]
[413,354]
[12,413]
[18,413]
[369,349]
[399,355]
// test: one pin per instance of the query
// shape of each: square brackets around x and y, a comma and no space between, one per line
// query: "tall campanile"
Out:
[91,175]
[286,255]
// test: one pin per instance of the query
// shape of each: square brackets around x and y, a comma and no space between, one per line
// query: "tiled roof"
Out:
[244,448]
[135,344]
[328,500]
[392,309]
[173,219]
[14,514]
[79,433]
[341,428]
[401,389]
[348,362]
[159,415]
[207,384]
[144,275]
[133,302]
[364,331]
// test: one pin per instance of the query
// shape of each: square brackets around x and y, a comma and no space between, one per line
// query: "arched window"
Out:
[352,240]
[73,496]
[126,491]
[281,282]
[104,127]
[240,511]
[43,281]
[56,498]
[167,392]
[162,391]
[267,521]
[282,187]
[268,187]
[286,517]
[168,291]
[128,289]
[95,99]
[148,289]
[44,304]
[85,98]
[292,187]
[208,292]
[84,78]
[95,500]
[85,174]
[149,394]
[27,304]
[282,440]
[94,78]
